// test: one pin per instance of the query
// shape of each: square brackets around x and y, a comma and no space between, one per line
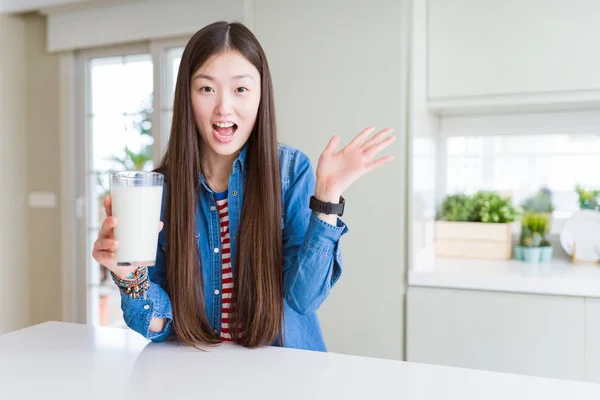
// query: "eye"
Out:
[206,89]
[241,89]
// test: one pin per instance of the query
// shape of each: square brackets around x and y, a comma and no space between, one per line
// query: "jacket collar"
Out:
[240,162]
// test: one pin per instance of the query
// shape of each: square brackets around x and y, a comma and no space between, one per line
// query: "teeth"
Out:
[224,124]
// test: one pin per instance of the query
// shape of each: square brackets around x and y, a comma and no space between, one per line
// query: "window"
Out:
[173,59]
[423,173]
[120,138]
[125,123]
[518,165]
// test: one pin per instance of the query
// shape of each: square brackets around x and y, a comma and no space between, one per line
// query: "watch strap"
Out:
[326,207]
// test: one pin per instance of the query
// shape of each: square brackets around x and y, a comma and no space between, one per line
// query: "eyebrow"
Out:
[210,78]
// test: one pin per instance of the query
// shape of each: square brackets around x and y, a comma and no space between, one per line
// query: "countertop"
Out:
[557,277]
[71,361]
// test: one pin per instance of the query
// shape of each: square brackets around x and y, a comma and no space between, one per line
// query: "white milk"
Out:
[137,209]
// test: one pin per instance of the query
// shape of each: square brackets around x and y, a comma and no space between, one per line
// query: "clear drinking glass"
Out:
[136,203]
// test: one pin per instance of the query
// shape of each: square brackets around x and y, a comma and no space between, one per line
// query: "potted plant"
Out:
[589,199]
[490,207]
[476,226]
[533,245]
[457,208]
[541,202]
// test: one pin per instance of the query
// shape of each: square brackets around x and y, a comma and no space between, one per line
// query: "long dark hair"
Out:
[257,300]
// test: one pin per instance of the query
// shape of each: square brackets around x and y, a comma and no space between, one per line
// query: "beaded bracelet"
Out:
[135,284]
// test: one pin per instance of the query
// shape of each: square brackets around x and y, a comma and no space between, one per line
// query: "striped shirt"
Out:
[227,275]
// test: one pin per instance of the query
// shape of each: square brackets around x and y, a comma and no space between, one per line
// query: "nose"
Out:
[224,104]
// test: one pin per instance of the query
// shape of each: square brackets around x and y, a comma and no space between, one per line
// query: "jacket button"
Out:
[234,237]
[213,208]
[234,192]
[216,250]
[216,291]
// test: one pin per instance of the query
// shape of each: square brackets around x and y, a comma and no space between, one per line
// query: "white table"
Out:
[70,361]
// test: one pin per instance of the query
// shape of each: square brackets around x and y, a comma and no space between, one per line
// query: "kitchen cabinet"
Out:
[486,52]
[592,340]
[541,335]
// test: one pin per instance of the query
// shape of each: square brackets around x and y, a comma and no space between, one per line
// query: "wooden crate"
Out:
[473,240]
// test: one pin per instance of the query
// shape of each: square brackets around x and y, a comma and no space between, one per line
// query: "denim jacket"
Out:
[311,255]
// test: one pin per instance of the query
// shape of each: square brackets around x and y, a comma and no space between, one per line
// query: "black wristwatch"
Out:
[327,208]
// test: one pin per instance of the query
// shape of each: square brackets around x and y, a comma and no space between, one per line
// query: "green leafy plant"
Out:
[137,161]
[490,207]
[541,202]
[589,199]
[483,206]
[131,160]
[457,207]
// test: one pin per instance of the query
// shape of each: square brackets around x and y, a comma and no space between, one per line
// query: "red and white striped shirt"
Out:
[227,275]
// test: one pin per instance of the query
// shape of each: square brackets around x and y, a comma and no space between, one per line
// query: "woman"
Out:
[250,248]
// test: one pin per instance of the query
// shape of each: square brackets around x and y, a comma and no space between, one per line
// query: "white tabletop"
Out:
[69,361]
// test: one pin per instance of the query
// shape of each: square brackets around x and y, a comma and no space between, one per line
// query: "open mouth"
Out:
[224,132]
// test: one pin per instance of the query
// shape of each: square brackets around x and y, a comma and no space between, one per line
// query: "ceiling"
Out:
[23,6]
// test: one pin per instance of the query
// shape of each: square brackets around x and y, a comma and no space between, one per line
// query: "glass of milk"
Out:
[136,203]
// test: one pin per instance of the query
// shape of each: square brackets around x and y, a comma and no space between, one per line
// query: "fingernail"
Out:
[116,245]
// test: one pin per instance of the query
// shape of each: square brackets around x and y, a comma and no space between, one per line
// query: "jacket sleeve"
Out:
[138,313]
[311,253]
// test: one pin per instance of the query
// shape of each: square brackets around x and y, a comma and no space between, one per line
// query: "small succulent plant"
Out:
[534,230]
[589,199]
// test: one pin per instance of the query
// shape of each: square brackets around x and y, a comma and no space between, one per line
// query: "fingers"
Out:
[379,162]
[106,230]
[362,136]
[375,148]
[110,245]
[332,145]
[377,138]
[108,205]
[105,258]
[104,251]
